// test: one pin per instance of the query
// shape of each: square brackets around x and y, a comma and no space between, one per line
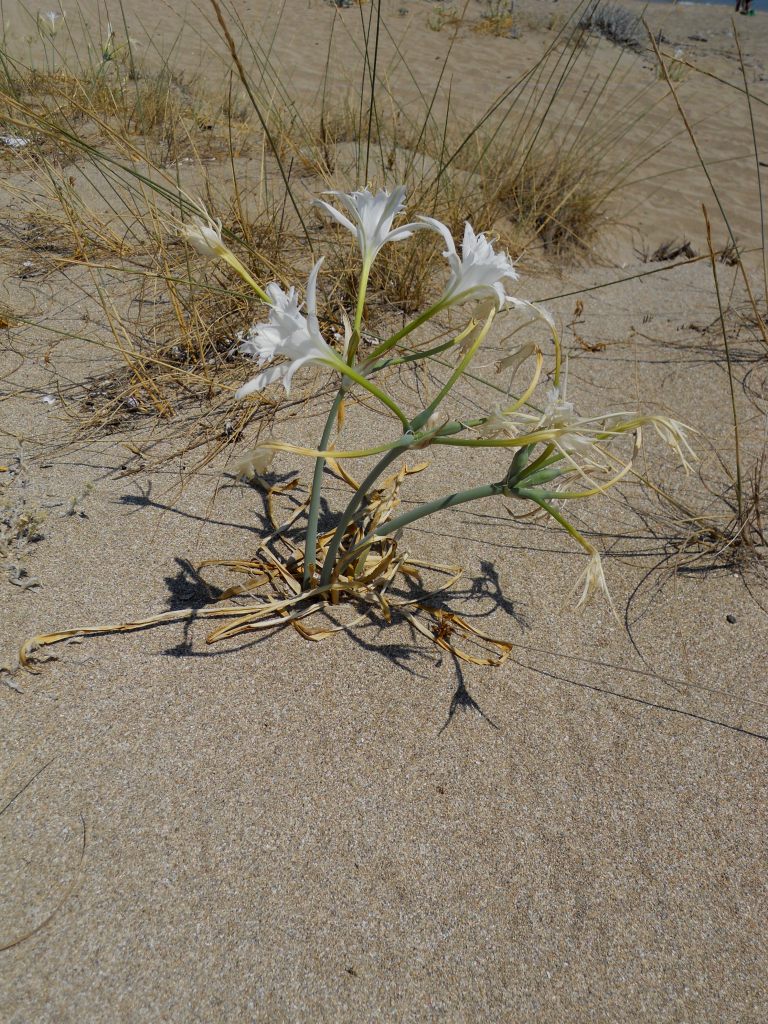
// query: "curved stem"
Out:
[428,509]
[362,289]
[423,417]
[238,267]
[499,442]
[390,403]
[568,527]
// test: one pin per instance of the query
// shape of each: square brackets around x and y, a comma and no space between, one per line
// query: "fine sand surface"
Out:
[362,829]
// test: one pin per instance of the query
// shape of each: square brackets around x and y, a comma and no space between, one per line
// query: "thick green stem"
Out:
[404,444]
[362,289]
[310,543]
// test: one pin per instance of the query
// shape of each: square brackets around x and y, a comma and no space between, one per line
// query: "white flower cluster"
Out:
[476,275]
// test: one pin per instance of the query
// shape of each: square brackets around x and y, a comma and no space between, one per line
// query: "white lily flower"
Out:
[479,271]
[48,22]
[287,333]
[371,217]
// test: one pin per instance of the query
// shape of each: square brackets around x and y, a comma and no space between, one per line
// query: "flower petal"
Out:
[534,308]
[405,231]
[314,326]
[336,215]
[442,229]
[262,380]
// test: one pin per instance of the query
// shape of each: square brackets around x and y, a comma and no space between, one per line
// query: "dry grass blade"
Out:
[76,878]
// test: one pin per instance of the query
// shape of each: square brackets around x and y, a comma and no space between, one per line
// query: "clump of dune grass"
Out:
[444,16]
[497,19]
[614,23]
[730,531]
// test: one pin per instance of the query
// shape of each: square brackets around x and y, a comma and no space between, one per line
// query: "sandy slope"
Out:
[278,831]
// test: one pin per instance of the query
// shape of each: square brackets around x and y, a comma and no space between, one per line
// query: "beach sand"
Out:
[363,829]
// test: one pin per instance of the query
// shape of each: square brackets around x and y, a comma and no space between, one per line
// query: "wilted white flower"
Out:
[254,463]
[593,579]
[371,217]
[532,307]
[497,425]
[203,233]
[14,141]
[672,433]
[560,415]
[516,359]
[478,273]
[287,333]
[48,22]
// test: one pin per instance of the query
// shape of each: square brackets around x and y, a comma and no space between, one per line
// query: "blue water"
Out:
[757,5]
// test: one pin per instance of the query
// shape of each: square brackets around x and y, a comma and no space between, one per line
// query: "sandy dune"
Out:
[362,829]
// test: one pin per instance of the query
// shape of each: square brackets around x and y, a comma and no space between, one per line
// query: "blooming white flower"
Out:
[371,217]
[479,271]
[287,333]
[48,22]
